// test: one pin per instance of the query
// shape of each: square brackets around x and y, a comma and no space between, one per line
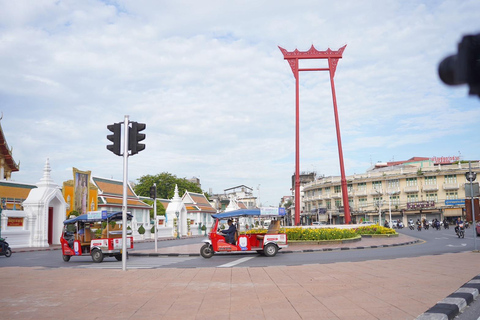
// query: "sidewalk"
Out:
[400,288]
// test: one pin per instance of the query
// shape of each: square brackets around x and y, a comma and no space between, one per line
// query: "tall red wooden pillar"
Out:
[332,56]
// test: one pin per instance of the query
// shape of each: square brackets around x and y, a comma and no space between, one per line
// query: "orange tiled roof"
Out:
[111,187]
[111,201]
[200,204]
[6,153]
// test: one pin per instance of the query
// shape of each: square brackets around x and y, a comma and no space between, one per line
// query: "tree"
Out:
[165,185]
[160,208]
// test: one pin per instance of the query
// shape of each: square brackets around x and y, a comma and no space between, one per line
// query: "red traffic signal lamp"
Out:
[134,137]
[115,137]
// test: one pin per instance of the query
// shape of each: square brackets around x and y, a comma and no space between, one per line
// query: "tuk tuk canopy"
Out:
[89,217]
[260,212]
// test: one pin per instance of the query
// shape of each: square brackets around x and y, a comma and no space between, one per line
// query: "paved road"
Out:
[433,243]
[374,288]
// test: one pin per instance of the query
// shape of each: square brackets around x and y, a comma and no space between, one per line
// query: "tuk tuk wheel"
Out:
[66,258]
[270,250]
[8,252]
[97,255]
[206,251]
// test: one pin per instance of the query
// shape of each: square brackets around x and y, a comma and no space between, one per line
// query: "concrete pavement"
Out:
[402,288]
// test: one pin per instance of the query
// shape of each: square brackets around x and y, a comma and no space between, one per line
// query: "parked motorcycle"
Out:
[5,248]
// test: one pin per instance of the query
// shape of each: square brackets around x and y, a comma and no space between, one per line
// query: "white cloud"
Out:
[216,95]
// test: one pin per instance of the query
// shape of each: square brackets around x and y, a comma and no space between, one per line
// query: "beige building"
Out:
[413,189]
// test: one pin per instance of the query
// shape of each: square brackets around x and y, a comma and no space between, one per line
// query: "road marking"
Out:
[234,263]
[454,246]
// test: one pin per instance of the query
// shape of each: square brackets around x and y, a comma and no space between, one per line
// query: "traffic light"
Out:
[115,138]
[134,137]
[153,192]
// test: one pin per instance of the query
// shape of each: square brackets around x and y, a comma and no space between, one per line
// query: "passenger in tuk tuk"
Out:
[230,232]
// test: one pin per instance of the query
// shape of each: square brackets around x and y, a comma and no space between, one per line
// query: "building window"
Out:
[452,195]
[329,204]
[377,201]
[349,187]
[412,197]
[411,182]
[362,186]
[395,200]
[337,189]
[327,190]
[452,178]
[395,183]
[362,202]
[377,185]
[319,192]
[338,203]
[430,180]
[432,197]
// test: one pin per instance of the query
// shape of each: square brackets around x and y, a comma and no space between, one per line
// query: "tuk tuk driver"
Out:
[230,232]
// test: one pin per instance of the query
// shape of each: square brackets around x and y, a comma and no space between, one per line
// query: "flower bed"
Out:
[374,229]
[319,234]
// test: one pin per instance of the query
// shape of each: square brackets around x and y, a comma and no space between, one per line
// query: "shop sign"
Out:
[14,222]
[420,205]
[445,160]
[455,202]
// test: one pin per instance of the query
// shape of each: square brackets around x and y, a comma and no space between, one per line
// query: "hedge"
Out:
[315,234]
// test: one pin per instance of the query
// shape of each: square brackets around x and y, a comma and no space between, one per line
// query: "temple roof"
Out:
[6,153]
[196,202]
[111,194]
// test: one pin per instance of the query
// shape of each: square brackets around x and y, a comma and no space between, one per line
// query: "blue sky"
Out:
[218,99]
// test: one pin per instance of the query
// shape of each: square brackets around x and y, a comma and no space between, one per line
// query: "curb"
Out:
[455,303]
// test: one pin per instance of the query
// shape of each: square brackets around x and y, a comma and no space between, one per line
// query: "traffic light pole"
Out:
[124,202]
[131,142]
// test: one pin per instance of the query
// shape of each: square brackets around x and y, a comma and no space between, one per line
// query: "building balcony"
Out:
[327,196]
[429,188]
[375,192]
[451,186]
[393,191]
[410,189]
[360,192]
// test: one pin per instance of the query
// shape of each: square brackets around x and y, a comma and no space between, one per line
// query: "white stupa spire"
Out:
[46,179]
[176,197]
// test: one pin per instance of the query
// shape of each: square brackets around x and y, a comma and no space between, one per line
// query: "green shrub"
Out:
[141,230]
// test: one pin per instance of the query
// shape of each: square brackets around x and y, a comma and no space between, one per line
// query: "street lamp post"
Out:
[390,208]
[471,176]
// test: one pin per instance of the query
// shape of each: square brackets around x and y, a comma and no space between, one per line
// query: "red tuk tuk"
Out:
[246,241]
[94,234]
